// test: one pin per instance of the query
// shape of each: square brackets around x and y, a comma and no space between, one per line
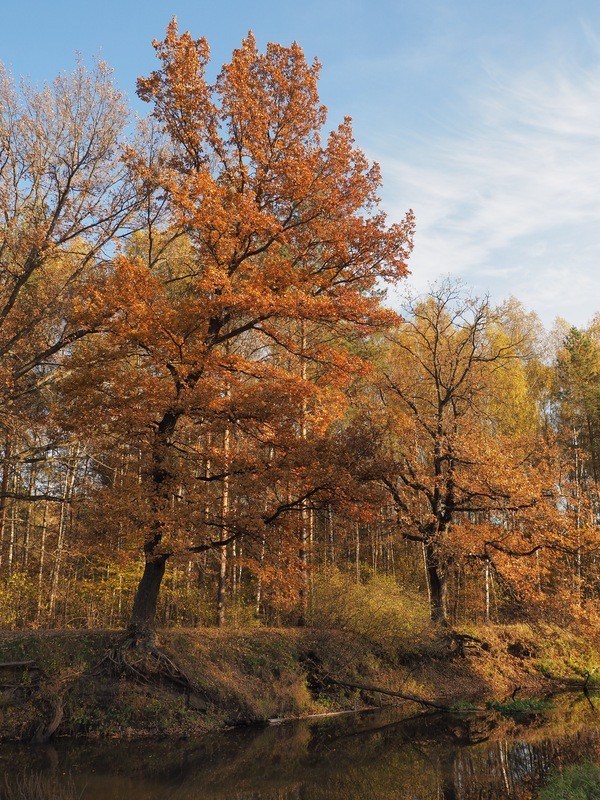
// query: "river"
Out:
[376,756]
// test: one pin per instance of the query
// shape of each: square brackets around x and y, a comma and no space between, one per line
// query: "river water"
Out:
[374,756]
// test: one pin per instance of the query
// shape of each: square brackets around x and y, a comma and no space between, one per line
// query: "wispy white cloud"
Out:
[511,202]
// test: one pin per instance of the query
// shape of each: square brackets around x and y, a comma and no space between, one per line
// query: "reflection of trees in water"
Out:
[577,783]
[516,769]
[360,758]
[27,785]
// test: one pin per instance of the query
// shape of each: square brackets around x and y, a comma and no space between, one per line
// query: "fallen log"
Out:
[365,687]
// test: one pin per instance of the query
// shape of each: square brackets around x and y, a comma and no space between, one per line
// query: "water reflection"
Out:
[374,756]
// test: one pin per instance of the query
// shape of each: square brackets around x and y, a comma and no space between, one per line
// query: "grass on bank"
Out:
[365,633]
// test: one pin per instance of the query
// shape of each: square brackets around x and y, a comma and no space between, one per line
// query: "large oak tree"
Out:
[265,228]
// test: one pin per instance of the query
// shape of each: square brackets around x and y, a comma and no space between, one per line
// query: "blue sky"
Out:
[484,116]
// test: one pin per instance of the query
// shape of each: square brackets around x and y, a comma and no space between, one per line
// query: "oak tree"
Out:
[269,227]
[461,478]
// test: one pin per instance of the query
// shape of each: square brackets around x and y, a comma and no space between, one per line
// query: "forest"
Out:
[210,414]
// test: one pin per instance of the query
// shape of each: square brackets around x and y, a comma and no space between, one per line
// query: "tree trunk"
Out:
[437,586]
[55,578]
[3,491]
[222,578]
[40,603]
[304,557]
[305,514]
[487,592]
[145,601]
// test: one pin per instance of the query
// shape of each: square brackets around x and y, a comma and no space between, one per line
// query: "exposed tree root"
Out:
[138,658]
[45,730]
[459,644]
[135,657]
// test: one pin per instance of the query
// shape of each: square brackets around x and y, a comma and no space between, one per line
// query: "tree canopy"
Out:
[206,405]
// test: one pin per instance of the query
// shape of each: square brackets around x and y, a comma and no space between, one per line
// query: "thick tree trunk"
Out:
[437,586]
[145,601]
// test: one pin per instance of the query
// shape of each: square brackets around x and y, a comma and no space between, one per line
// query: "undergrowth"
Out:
[376,608]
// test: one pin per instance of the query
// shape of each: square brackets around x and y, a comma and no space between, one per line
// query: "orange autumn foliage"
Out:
[237,312]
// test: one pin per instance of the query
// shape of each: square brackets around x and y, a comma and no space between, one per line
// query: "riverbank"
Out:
[51,684]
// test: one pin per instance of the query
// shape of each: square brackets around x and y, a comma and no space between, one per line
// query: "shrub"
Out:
[377,608]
